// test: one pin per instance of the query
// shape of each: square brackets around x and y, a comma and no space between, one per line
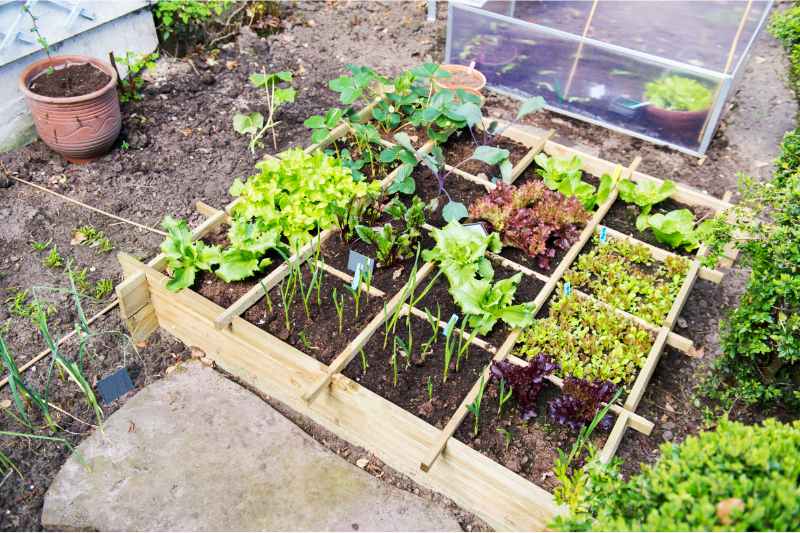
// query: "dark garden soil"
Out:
[418,136]
[177,146]
[461,146]
[390,279]
[439,297]
[316,333]
[530,448]
[411,391]
[73,80]
[460,190]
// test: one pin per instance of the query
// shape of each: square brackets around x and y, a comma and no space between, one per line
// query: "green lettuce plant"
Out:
[645,194]
[678,93]
[485,303]
[461,253]
[185,257]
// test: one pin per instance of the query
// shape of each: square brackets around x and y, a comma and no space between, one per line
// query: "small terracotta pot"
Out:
[681,125]
[80,128]
[462,77]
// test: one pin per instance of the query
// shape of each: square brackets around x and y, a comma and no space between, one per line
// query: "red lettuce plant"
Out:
[532,218]
[526,382]
[580,401]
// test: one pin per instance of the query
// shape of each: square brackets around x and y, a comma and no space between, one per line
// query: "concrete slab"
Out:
[195,451]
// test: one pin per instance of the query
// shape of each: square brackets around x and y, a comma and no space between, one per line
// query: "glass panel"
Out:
[604,86]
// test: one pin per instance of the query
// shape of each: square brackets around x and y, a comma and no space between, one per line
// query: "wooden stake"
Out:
[580,50]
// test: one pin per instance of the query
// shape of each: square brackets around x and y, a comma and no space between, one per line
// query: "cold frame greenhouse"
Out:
[658,70]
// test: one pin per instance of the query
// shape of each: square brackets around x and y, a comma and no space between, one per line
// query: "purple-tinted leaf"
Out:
[525,381]
[580,401]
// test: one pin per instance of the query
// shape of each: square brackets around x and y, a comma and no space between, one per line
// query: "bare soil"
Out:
[181,147]
[461,146]
[72,80]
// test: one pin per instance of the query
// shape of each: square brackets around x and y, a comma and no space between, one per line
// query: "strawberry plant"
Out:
[532,218]
[627,276]
[321,125]
[588,341]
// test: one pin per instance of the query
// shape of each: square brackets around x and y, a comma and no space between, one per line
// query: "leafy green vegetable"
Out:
[564,176]
[485,303]
[553,170]
[461,251]
[675,228]
[645,194]
[678,93]
[495,156]
[185,257]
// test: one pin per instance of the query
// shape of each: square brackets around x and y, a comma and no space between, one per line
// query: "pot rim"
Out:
[442,82]
[656,109]
[37,67]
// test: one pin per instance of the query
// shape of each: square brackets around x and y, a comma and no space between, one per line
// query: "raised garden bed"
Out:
[425,433]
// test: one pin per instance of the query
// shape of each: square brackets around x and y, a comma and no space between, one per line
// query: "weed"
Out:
[53,259]
[41,246]
[103,288]
[93,238]
[130,88]
[506,437]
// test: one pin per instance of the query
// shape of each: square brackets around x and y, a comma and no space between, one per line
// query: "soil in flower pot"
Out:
[316,333]
[461,77]
[73,80]
[411,390]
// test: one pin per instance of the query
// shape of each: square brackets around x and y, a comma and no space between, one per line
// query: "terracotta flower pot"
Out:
[680,125]
[461,77]
[80,128]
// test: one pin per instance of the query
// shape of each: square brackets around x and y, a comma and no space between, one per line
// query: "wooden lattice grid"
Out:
[410,445]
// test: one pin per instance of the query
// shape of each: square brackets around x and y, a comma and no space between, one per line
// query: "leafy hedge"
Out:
[736,477]
[761,338]
[785,26]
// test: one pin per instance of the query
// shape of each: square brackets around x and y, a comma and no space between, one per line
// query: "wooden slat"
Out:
[142,324]
[527,159]
[352,349]
[614,438]
[132,294]
[347,278]
[486,184]
[650,363]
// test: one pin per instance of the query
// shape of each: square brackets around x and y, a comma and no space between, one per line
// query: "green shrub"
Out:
[182,16]
[785,26]
[737,477]
[761,337]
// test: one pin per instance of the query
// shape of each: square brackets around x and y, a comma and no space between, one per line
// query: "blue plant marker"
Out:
[450,325]
[567,288]
[603,234]
[356,278]
[355,259]
[113,386]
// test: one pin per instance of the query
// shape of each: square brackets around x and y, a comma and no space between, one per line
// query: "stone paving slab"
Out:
[195,451]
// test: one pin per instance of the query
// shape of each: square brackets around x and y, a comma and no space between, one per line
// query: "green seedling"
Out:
[475,407]
[338,303]
[284,291]
[279,91]
[92,237]
[435,323]
[506,437]
[130,89]
[463,347]
[504,396]
[304,340]
[53,259]
[405,349]
[41,246]
[103,288]
[393,362]
[448,352]
[267,299]
[430,389]
[356,292]
[364,363]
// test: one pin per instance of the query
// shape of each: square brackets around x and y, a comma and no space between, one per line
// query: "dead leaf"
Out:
[696,352]
[170,370]
[186,131]
[362,463]
[77,238]
[311,23]
[397,273]
[197,353]
[726,507]
[141,344]
[5,404]
[231,64]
